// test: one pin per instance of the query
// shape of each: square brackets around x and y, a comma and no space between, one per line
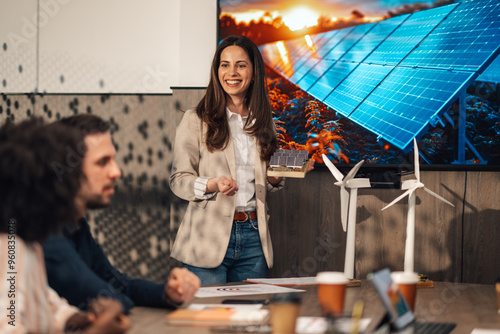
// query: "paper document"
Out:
[241,290]
[234,307]
[306,325]
[291,281]
[485,331]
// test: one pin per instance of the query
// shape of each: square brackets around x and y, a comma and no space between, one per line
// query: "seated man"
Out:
[34,201]
[77,267]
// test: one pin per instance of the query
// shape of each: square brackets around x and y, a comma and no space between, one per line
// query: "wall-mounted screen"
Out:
[358,80]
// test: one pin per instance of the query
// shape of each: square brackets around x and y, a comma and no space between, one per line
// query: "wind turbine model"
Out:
[353,184]
[411,186]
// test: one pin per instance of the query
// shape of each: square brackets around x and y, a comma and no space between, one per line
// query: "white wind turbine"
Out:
[353,184]
[411,186]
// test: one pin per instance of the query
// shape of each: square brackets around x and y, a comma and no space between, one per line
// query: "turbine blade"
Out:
[438,197]
[353,171]
[344,203]
[416,162]
[335,172]
[399,198]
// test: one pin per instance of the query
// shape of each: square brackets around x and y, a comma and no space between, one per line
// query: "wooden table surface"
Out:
[468,305]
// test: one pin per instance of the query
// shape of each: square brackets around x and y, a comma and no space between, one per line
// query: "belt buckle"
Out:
[247,217]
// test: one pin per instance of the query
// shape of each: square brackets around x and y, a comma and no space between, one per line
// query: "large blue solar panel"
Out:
[396,77]
[406,101]
[315,73]
[298,48]
[492,72]
[307,64]
[280,58]
[356,87]
[325,84]
[320,40]
[333,41]
[370,41]
[465,40]
[408,35]
[348,41]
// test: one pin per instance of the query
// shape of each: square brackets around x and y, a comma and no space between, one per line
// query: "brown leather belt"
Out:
[241,217]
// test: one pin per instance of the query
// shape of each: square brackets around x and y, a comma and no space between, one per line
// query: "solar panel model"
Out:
[288,163]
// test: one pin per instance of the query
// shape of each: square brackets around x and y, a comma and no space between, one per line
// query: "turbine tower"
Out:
[411,186]
[348,206]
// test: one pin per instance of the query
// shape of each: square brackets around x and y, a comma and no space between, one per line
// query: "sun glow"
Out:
[300,18]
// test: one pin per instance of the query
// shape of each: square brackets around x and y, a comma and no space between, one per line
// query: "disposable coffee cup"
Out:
[407,282]
[285,308]
[331,292]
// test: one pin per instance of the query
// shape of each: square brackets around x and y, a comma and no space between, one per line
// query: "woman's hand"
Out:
[222,184]
[310,166]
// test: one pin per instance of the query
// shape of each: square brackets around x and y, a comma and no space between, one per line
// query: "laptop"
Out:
[399,314]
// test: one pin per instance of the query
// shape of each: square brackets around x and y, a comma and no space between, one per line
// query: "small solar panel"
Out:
[289,158]
[407,36]
[356,87]
[461,43]
[406,101]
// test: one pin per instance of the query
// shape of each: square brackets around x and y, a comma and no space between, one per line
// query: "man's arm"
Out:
[79,271]
[72,278]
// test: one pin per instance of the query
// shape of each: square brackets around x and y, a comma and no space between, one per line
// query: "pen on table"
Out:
[357,312]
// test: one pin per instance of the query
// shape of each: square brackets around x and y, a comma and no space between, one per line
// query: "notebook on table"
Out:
[399,314]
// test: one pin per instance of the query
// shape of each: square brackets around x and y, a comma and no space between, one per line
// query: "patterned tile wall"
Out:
[138,229]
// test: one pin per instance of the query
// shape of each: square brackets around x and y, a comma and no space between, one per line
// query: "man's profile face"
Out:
[100,170]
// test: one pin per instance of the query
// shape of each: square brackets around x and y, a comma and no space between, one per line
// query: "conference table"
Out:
[470,306]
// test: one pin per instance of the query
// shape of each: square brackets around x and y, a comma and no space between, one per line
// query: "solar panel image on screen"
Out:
[306,66]
[407,36]
[318,71]
[325,84]
[348,41]
[492,72]
[370,41]
[406,101]
[332,42]
[458,42]
[397,77]
[356,87]
[320,40]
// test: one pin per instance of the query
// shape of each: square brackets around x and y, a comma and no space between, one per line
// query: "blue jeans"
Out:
[244,257]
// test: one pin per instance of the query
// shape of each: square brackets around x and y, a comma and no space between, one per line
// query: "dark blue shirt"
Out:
[78,270]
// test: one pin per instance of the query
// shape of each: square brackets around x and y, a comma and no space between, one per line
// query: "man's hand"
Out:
[182,285]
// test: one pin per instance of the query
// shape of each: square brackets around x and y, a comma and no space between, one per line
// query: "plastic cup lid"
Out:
[331,277]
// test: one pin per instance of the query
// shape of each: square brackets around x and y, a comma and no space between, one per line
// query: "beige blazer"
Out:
[204,233]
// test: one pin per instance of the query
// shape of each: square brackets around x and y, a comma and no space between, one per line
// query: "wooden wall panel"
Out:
[306,215]
[481,239]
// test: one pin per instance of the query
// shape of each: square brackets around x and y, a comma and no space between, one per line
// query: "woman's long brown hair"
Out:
[212,107]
